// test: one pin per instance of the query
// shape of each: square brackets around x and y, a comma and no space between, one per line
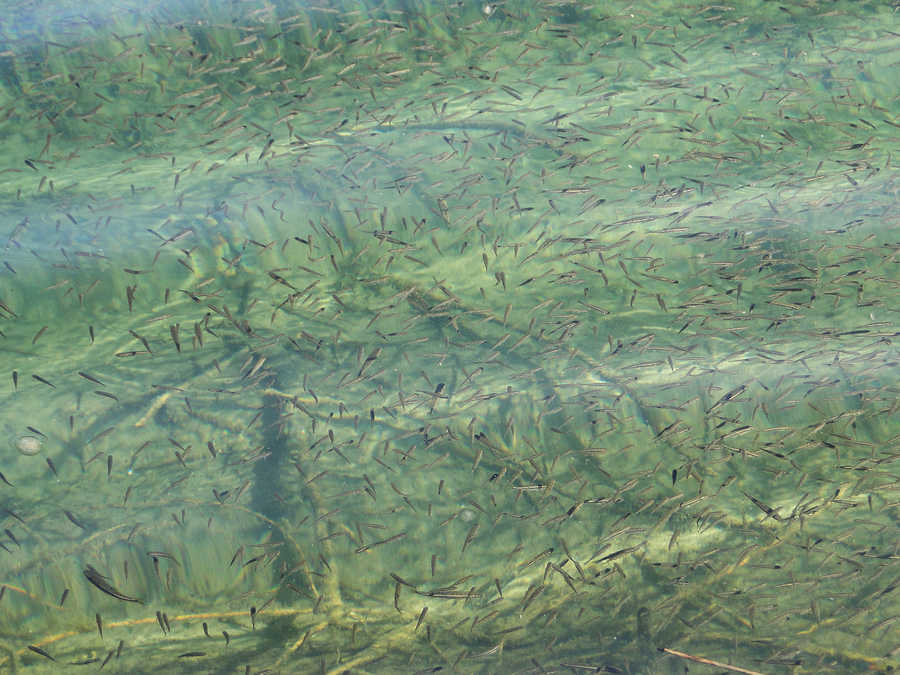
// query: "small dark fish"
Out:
[100,582]
[3,478]
[42,380]
[6,309]
[91,378]
[421,617]
[38,650]
[471,536]
[143,341]
[162,554]
[38,335]
[85,662]
[107,659]
[366,547]
[74,520]
[11,513]
[765,508]
[727,397]
[103,433]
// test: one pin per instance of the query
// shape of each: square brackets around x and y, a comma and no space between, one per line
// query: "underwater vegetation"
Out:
[474,337]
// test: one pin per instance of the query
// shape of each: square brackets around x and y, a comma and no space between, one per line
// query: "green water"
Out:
[418,336]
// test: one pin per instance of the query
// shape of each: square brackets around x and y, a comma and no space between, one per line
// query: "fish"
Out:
[43,381]
[38,650]
[100,581]
[38,335]
[173,330]
[90,378]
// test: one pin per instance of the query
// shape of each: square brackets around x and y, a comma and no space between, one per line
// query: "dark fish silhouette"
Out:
[100,582]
